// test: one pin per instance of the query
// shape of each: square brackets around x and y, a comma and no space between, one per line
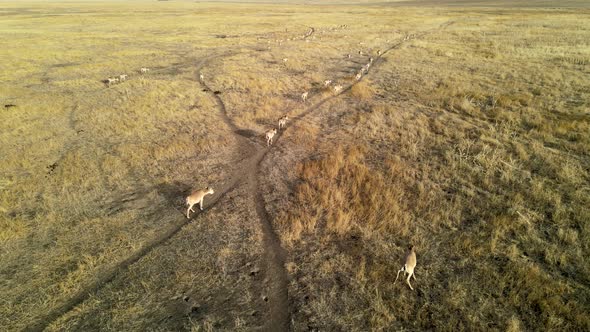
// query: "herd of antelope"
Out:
[327,83]
[308,35]
[123,77]
[197,197]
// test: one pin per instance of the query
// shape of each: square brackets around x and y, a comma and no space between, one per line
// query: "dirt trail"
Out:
[105,277]
[274,254]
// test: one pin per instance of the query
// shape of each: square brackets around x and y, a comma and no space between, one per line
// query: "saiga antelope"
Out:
[283,122]
[409,266]
[269,135]
[197,197]
[304,96]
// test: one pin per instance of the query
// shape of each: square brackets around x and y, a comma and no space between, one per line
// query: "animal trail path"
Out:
[274,254]
[105,277]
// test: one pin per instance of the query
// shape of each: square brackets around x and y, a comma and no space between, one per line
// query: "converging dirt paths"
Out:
[253,152]
[274,254]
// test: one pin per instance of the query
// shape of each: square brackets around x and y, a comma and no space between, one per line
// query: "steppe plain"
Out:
[468,137]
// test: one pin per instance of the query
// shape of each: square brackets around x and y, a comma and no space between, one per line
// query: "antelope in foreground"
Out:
[197,197]
[144,70]
[304,96]
[269,135]
[409,266]
[283,122]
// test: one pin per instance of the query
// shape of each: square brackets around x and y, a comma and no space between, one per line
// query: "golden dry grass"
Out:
[466,154]
[470,141]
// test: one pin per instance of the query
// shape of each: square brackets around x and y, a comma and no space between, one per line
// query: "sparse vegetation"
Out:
[466,157]
[469,141]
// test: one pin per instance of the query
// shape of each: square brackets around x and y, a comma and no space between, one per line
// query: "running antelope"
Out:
[197,197]
[304,96]
[269,135]
[122,77]
[283,122]
[409,266]
[111,80]
[144,70]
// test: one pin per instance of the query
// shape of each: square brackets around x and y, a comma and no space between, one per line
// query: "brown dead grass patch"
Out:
[362,91]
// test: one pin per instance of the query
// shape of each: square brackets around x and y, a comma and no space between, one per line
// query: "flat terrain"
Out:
[467,137]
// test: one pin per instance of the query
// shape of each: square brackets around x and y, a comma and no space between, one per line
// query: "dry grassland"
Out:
[470,141]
